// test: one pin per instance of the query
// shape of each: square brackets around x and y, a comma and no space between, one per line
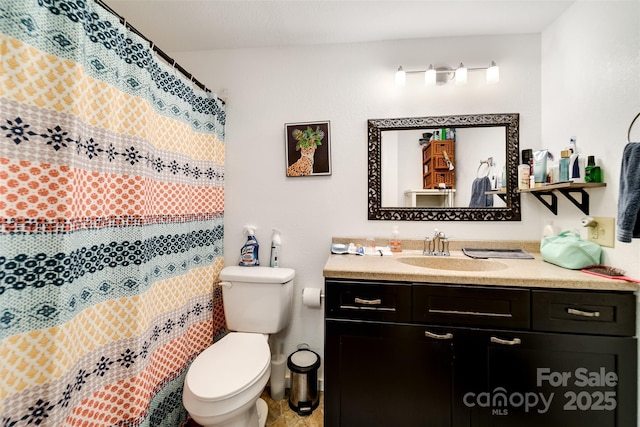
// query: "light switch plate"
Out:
[604,232]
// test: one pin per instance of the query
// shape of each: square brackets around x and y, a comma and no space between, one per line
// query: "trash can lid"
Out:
[303,361]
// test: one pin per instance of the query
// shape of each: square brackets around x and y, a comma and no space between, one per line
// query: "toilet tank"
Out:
[257,299]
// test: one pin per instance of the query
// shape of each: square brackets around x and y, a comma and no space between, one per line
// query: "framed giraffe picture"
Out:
[308,148]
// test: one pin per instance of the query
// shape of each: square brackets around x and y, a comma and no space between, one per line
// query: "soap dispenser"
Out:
[276,242]
[395,244]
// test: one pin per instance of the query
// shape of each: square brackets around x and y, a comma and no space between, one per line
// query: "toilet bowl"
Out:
[223,384]
[225,381]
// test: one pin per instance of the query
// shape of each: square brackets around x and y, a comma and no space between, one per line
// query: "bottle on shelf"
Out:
[592,173]
[565,157]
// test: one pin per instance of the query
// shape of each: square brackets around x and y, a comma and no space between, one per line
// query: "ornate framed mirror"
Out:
[480,139]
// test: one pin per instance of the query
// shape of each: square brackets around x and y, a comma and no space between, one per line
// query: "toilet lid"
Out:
[258,274]
[229,366]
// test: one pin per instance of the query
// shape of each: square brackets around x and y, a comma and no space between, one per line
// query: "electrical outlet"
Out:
[604,231]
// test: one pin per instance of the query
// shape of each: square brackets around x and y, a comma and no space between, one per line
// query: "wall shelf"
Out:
[568,189]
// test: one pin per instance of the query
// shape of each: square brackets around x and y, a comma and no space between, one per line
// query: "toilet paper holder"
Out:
[321,293]
[312,297]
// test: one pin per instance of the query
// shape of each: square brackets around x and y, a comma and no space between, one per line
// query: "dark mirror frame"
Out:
[511,212]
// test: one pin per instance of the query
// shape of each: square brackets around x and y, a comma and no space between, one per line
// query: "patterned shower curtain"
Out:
[111,205]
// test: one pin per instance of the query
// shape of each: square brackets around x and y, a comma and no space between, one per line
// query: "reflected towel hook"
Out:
[489,163]
[631,126]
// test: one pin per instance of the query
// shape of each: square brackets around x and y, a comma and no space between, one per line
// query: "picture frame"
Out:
[308,148]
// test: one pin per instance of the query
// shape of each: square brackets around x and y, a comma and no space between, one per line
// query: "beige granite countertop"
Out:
[533,273]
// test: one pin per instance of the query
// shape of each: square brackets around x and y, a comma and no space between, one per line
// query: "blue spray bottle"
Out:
[249,252]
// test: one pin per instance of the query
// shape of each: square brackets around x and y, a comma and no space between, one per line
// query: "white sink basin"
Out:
[452,263]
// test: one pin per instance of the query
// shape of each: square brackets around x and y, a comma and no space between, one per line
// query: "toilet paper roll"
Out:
[311,297]
[276,381]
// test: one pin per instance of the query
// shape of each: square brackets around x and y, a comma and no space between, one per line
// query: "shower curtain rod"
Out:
[156,49]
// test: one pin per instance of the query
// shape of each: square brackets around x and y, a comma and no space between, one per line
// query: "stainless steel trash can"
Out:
[304,365]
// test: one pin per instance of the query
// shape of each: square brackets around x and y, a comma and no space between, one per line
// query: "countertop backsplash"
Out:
[531,246]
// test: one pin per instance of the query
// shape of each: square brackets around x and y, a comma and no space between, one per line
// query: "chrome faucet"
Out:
[438,245]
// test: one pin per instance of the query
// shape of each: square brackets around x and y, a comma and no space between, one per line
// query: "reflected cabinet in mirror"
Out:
[443,168]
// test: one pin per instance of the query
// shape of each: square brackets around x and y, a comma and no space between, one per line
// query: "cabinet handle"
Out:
[367,301]
[447,336]
[470,313]
[583,313]
[514,341]
[359,307]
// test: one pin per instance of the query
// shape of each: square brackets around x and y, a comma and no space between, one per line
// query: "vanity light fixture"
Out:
[461,75]
[443,75]
[493,73]
[430,76]
[401,77]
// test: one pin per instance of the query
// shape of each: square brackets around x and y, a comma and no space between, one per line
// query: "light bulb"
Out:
[401,77]
[493,73]
[430,76]
[461,75]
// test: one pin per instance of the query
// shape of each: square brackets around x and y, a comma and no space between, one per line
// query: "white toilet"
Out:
[224,383]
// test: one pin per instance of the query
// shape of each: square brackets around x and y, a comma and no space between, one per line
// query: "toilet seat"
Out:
[229,367]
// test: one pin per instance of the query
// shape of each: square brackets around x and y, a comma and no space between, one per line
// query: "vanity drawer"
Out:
[471,306]
[602,313]
[368,301]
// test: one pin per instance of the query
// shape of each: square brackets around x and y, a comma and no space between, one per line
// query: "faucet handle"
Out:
[429,246]
[444,246]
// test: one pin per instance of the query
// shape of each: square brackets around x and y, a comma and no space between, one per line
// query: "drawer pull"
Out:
[367,301]
[447,336]
[583,313]
[514,341]
[470,313]
[359,307]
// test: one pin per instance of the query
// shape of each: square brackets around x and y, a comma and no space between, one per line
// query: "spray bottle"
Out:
[249,252]
[276,242]
[576,163]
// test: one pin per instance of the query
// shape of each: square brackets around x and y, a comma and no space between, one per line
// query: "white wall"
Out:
[348,84]
[591,90]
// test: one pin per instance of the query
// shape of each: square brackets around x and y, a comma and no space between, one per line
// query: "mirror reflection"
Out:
[460,167]
[419,170]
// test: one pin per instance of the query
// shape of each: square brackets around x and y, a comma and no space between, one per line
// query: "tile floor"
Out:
[280,415]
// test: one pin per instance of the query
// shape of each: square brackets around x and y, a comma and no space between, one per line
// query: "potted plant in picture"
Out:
[306,142]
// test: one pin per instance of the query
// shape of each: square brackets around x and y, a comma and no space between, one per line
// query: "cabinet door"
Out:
[385,375]
[550,380]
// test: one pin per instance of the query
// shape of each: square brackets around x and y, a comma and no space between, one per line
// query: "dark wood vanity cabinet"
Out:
[431,355]
[384,375]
